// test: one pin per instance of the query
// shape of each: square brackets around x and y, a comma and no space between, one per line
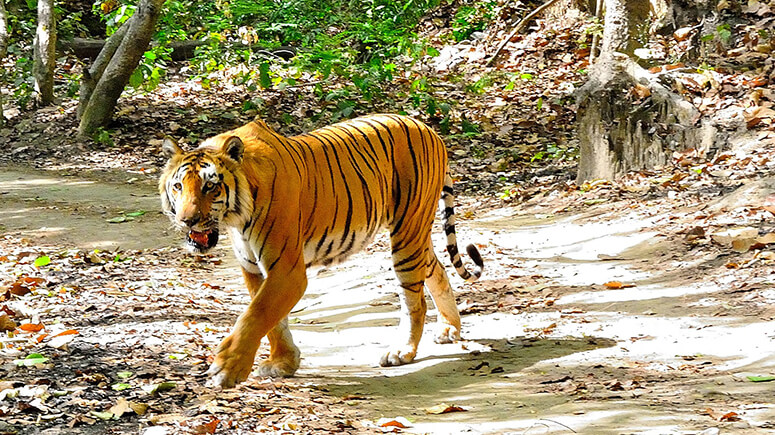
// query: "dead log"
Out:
[181,50]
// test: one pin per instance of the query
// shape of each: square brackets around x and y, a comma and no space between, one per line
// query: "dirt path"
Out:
[669,355]
[63,209]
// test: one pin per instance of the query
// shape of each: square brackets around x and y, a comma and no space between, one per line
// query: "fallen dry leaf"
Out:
[443,408]
[726,237]
[138,407]
[615,285]
[6,324]
[742,245]
[19,289]
[729,416]
[120,408]
[767,255]
[207,428]
[766,239]
[31,327]
[399,422]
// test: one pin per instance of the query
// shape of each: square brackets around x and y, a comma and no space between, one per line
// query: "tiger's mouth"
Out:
[202,241]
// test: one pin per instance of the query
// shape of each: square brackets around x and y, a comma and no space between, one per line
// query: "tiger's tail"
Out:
[448,221]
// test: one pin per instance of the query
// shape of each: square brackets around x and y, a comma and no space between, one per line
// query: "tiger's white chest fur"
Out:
[245,252]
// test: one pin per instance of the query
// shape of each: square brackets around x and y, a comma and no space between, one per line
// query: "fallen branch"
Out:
[518,28]
[181,50]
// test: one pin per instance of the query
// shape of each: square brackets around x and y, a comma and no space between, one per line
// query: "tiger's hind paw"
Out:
[280,367]
[398,357]
[446,333]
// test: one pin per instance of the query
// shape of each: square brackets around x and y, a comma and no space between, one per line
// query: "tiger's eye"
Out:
[177,186]
[209,186]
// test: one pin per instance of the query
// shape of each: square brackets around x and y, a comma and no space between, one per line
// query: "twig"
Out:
[518,28]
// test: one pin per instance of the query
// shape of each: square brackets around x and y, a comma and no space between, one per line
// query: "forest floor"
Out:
[622,314]
[644,305]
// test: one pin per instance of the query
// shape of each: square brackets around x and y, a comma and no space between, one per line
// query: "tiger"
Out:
[290,203]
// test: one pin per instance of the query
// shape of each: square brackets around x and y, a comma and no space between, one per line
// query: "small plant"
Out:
[151,69]
[103,137]
[477,152]
[554,152]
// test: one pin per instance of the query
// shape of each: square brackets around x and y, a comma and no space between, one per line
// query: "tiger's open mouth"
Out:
[202,241]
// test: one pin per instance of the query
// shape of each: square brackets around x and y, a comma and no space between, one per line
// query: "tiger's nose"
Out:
[191,220]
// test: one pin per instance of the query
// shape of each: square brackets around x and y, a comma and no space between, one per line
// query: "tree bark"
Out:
[626,23]
[93,74]
[109,80]
[628,120]
[3,29]
[44,52]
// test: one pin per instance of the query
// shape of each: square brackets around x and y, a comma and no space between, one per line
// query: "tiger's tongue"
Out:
[201,238]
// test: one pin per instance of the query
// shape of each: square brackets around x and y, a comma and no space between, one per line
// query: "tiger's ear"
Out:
[170,147]
[233,148]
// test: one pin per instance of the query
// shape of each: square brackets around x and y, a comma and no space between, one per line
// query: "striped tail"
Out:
[448,220]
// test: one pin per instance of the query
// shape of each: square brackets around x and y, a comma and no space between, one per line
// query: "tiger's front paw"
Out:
[401,356]
[279,367]
[446,333]
[232,364]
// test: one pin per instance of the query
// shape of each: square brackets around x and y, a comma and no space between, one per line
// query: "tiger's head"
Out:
[203,188]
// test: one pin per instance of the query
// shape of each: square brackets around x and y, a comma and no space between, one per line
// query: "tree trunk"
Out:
[45,52]
[3,51]
[106,79]
[92,75]
[627,120]
[3,29]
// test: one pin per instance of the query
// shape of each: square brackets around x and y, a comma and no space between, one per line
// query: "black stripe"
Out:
[413,284]
[379,136]
[409,258]
[279,256]
[321,241]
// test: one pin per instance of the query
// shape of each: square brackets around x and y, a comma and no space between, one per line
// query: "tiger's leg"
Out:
[409,264]
[271,303]
[284,356]
[448,324]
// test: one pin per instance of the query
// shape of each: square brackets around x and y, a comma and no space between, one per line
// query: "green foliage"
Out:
[723,34]
[151,69]
[555,152]
[472,18]
[357,41]
[69,24]
[115,17]
[103,137]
